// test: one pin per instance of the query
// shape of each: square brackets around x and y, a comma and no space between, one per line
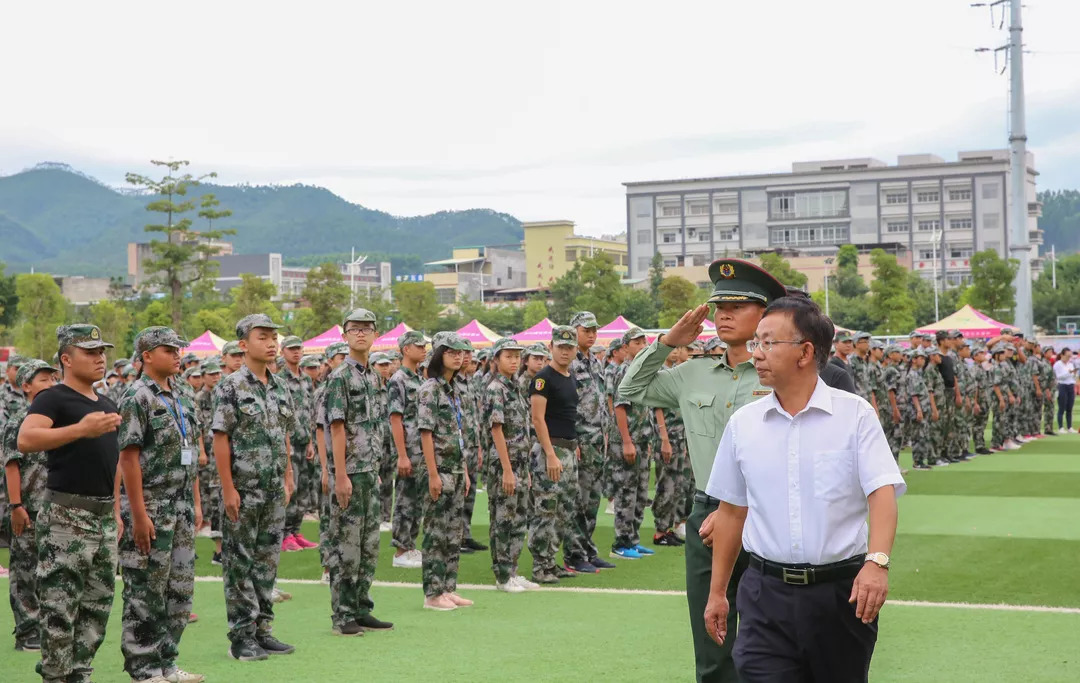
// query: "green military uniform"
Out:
[1001,378]
[387,455]
[158,586]
[305,471]
[935,384]
[326,554]
[470,414]
[986,400]
[11,401]
[917,389]
[707,392]
[1048,380]
[670,484]
[402,395]
[209,481]
[890,383]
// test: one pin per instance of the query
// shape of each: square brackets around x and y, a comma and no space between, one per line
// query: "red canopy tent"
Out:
[478,335]
[389,341]
[973,323]
[205,345]
[613,330]
[318,344]
[540,332]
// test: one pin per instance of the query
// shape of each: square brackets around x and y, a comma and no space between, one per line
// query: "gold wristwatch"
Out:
[880,559]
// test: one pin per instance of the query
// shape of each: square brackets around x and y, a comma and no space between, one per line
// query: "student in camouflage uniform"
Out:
[507,473]
[982,400]
[876,370]
[935,383]
[11,400]
[670,485]
[921,411]
[25,475]
[1001,383]
[593,423]
[1050,390]
[891,399]
[441,418]
[533,361]
[859,362]
[209,483]
[473,443]
[160,507]
[965,413]
[232,357]
[402,393]
[335,356]
[384,367]
[301,391]
[253,417]
[630,460]
[354,413]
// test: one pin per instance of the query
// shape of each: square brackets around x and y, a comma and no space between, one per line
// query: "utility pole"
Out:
[1053,265]
[828,262]
[934,237]
[352,264]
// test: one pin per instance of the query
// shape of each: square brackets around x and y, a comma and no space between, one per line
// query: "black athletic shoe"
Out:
[247,650]
[564,573]
[216,559]
[466,549]
[583,567]
[350,629]
[28,643]
[666,538]
[370,623]
[473,544]
[273,646]
[983,451]
[600,564]
[1050,432]
[922,467]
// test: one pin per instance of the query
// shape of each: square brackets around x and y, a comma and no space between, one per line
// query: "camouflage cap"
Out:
[379,358]
[188,358]
[893,348]
[632,333]
[877,344]
[563,335]
[411,338]
[210,367]
[336,349]
[583,319]
[310,362]
[1010,347]
[697,345]
[291,342]
[933,351]
[393,355]
[735,280]
[231,348]
[859,336]
[192,372]
[915,335]
[450,340]
[954,334]
[82,335]
[842,337]
[714,343]
[30,367]
[968,343]
[919,353]
[153,337]
[359,315]
[250,322]
[596,348]
[506,344]
[119,363]
[129,371]
[615,344]
[536,350]
[482,355]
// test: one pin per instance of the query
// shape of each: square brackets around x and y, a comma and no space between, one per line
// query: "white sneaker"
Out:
[384,527]
[525,583]
[1071,430]
[181,676]
[680,531]
[941,463]
[1011,446]
[1062,430]
[152,679]
[510,587]
[407,560]
[418,556]
[204,532]
[610,509]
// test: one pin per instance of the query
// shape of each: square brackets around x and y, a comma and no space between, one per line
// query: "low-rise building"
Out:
[289,281]
[477,273]
[552,248]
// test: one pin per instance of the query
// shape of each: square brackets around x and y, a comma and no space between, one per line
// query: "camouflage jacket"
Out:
[935,384]
[470,415]
[915,386]
[11,400]
[352,397]
[257,418]
[1047,377]
[640,418]
[33,467]
[116,392]
[860,371]
[302,392]
[151,420]
[504,405]
[319,402]
[440,411]
[402,394]
[890,380]
[876,372]
[523,381]
[593,416]
[204,409]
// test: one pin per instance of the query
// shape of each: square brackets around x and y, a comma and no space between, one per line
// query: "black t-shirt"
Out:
[948,373]
[86,467]
[837,378]
[561,394]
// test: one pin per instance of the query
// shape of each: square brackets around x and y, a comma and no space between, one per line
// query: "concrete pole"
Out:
[1019,245]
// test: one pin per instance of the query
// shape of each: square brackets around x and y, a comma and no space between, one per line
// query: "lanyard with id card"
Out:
[187,452]
[460,434]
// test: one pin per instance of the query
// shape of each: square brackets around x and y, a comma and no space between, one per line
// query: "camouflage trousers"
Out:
[1000,429]
[942,431]
[251,547]
[387,472]
[922,446]
[325,503]
[961,441]
[978,425]
[299,504]
[472,462]
[442,534]
[22,583]
[157,587]
[210,498]
[354,541]
[553,506]
[409,495]
[668,487]
[894,432]
[590,481]
[685,492]
[631,493]
[509,518]
[76,577]
[1048,414]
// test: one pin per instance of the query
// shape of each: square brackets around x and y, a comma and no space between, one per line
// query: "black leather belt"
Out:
[805,575]
[705,499]
[97,506]
[564,443]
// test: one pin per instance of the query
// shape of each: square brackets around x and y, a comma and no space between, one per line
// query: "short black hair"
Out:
[811,323]
[436,365]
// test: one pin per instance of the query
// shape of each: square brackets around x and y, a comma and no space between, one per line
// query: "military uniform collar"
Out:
[146,381]
[722,362]
[357,364]
[271,378]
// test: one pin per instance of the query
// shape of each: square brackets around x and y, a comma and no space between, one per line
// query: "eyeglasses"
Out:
[766,344]
[363,329]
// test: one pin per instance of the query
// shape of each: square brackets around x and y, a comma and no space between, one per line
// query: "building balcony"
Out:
[1035,209]
[1035,236]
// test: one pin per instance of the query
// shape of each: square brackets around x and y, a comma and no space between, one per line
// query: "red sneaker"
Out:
[303,542]
[289,545]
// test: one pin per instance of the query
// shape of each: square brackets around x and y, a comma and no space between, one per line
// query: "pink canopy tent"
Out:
[318,344]
[389,341]
[478,335]
[540,332]
[971,322]
[613,330]
[205,345]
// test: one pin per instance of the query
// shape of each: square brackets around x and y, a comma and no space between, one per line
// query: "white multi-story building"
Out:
[963,205]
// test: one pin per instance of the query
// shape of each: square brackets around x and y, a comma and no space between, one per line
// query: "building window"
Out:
[571,255]
[926,254]
[644,212]
[725,235]
[727,207]
[670,210]
[928,197]
[896,197]
[959,224]
[446,296]
[960,251]
[990,191]
[704,235]
[644,236]
[929,225]
[957,279]
[670,263]
[782,205]
[960,195]
[509,272]
[698,208]
[700,260]
[808,235]
[897,226]
[821,204]
[669,237]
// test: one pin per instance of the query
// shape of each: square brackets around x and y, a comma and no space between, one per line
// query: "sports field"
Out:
[998,536]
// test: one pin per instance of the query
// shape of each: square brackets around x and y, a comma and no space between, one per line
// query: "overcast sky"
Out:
[538,109]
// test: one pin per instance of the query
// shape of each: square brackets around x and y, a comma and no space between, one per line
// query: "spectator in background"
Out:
[1065,373]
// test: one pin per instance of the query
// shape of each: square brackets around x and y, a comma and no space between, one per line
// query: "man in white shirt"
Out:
[797,473]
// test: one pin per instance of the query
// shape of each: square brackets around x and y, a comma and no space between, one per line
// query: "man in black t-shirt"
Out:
[554,400]
[77,523]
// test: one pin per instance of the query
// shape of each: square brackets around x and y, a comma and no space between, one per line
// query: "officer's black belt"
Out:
[705,499]
[805,574]
[564,443]
[97,506]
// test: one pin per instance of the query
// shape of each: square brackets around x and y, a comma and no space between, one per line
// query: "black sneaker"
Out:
[1050,432]
[370,623]
[922,467]
[28,643]
[671,534]
[216,559]
[466,550]
[473,544]
[600,564]
[247,650]
[564,573]
[273,646]
[667,539]
[350,629]
[583,567]
[545,578]
[983,451]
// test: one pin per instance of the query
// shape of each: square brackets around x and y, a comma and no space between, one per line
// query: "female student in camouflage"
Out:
[387,461]
[209,484]
[507,471]
[335,356]
[160,507]
[402,394]
[441,420]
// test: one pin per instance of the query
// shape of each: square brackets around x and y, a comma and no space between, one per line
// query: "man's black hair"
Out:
[810,323]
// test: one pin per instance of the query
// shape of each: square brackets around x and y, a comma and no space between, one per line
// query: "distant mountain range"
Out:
[56,219]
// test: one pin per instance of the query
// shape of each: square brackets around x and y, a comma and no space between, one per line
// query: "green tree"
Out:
[9,301]
[535,311]
[418,304]
[780,268]
[677,296]
[846,281]
[656,276]
[156,313]
[41,309]
[181,259]
[992,289]
[115,323]
[220,321]
[302,322]
[564,293]
[208,209]
[327,294]
[253,296]
[890,303]
[1047,302]
[640,308]
[602,289]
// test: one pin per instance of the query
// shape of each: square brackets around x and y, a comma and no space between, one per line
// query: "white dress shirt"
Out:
[1064,372]
[806,477]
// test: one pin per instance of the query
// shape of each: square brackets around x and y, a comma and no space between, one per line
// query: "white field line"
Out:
[624,591]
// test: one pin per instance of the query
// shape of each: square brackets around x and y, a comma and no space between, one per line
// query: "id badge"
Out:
[187,455]
[461,443]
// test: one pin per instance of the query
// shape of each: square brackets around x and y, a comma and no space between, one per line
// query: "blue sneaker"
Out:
[642,550]
[626,553]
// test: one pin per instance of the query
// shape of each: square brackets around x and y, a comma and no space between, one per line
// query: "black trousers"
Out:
[1066,397]
[800,634]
